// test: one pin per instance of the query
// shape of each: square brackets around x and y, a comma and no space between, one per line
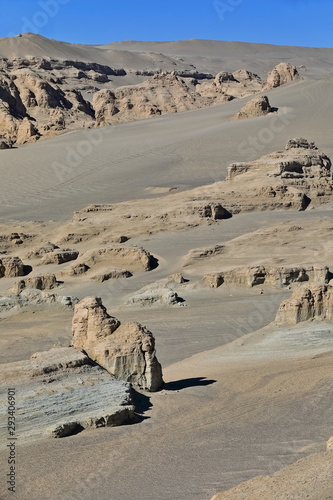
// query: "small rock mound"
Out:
[258,106]
[281,74]
[126,351]
[59,257]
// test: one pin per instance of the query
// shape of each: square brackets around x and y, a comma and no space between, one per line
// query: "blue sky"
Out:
[283,22]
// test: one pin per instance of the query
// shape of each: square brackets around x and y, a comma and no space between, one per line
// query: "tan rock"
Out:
[111,274]
[258,106]
[10,267]
[281,74]
[329,444]
[268,275]
[127,351]
[130,258]
[307,302]
[27,132]
[59,257]
[40,282]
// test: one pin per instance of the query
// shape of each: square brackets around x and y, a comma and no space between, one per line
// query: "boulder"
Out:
[126,351]
[27,132]
[281,74]
[11,267]
[4,145]
[258,106]
[307,302]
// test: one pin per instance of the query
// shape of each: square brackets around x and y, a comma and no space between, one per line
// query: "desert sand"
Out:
[192,227]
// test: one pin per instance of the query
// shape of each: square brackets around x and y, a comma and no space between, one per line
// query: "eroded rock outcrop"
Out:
[76,393]
[59,257]
[282,73]
[267,275]
[40,282]
[31,298]
[226,86]
[300,159]
[258,106]
[307,302]
[163,93]
[293,178]
[131,258]
[11,267]
[126,351]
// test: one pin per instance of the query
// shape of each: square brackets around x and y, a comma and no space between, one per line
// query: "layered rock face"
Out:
[62,393]
[284,179]
[30,298]
[307,302]
[300,159]
[281,74]
[258,106]
[126,351]
[268,275]
[10,267]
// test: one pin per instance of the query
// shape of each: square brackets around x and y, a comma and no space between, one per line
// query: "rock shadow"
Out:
[178,385]
[142,404]
[27,270]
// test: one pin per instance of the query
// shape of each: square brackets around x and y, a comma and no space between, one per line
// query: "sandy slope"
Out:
[131,157]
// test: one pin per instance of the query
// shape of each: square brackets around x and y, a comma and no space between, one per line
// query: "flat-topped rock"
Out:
[62,392]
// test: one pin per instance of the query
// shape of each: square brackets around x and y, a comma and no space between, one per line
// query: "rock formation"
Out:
[40,282]
[31,298]
[267,275]
[258,106]
[62,393]
[126,351]
[112,274]
[292,178]
[59,257]
[11,267]
[132,258]
[300,159]
[281,74]
[307,302]
[163,93]
[226,86]
[43,97]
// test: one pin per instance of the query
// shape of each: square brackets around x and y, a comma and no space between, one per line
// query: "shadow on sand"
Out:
[187,382]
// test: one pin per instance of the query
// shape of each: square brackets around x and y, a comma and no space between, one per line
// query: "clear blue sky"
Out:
[284,22]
